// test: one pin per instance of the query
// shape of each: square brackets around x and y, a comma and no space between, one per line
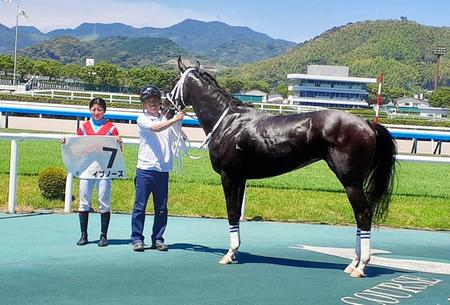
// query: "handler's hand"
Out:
[63,140]
[178,117]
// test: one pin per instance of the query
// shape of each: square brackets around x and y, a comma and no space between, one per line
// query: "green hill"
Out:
[123,51]
[220,42]
[402,49]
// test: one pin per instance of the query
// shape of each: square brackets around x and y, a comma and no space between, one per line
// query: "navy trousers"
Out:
[156,183]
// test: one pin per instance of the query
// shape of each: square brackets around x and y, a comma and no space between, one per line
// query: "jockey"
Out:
[96,126]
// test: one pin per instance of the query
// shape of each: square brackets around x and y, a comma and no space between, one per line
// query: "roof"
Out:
[364,80]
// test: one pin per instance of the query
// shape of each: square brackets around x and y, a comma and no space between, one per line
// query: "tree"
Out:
[231,84]
[440,97]
[389,93]
[71,71]
[106,74]
[46,67]
[283,90]
[6,63]
[259,85]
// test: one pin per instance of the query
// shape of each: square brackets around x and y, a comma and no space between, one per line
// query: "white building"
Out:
[328,86]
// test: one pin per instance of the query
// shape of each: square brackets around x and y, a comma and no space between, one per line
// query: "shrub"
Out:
[52,182]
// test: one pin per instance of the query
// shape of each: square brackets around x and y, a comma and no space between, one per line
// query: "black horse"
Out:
[247,143]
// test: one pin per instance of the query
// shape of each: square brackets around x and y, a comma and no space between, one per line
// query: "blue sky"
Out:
[287,19]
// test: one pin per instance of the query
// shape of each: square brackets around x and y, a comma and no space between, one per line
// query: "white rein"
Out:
[173,98]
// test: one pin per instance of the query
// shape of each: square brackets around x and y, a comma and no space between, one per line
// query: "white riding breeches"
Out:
[104,194]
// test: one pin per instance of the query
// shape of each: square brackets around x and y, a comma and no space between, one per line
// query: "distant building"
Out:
[410,102]
[275,99]
[252,96]
[328,86]
[418,107]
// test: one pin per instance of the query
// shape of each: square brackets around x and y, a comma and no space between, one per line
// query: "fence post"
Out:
[13,177]
[52,93]
[68,194]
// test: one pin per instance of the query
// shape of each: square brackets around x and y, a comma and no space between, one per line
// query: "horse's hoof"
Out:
[357,273]
[349,269]
[225,261]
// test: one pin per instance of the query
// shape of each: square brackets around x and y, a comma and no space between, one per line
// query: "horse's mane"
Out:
[229,99]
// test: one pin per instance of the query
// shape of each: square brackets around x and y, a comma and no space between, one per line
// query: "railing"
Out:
[134,98]
[74,111]
[84,95]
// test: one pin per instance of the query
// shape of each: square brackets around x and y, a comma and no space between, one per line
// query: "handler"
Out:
[155,161]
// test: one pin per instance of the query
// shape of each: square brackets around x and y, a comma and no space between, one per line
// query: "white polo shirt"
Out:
[155,149]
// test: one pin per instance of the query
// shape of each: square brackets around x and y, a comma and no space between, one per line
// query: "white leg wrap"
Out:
[355,262]
[365,254]
[235,242]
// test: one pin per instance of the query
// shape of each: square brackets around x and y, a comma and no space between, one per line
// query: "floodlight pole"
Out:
[438,51]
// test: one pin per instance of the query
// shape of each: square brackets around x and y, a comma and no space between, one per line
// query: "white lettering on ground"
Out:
[402,287]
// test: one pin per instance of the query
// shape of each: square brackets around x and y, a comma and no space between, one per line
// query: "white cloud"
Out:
[47,15]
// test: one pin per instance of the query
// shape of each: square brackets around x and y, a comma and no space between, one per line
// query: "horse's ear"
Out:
[181,66]
[197,65]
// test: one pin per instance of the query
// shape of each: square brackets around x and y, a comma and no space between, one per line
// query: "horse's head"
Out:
[183,67]
[179,94]
[197,86]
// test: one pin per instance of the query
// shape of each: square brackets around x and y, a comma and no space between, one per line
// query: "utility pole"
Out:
[438,51]
[15,45]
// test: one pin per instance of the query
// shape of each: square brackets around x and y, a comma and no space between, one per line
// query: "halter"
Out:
[177,91]
[177,94]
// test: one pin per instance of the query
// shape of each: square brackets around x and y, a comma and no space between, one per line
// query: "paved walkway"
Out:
[279,263]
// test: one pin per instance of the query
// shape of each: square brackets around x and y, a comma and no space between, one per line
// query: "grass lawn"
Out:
[312,194]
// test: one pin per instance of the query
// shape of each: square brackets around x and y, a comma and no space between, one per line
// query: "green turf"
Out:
[312,194]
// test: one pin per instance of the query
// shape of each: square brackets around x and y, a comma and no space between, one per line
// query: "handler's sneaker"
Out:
[139,246]
[159,245]
[103,242]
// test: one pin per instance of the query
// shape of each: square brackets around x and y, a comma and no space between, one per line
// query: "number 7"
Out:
[113,152]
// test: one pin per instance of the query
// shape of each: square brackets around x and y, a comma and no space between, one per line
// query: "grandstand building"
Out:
[328,86]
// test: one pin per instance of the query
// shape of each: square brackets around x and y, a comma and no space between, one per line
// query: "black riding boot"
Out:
[105,217]
[84,217]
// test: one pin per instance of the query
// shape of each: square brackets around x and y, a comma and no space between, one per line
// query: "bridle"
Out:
[176,95]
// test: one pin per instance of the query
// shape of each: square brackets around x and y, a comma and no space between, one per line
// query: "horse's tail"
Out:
[379,183]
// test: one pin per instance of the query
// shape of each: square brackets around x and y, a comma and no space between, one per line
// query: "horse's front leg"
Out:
[234,192]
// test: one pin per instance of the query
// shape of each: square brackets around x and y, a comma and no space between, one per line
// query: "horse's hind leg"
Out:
[363,216]
[234,193]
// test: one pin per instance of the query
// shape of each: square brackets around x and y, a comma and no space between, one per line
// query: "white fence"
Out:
[84,95]
[134,98]
[15,138]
